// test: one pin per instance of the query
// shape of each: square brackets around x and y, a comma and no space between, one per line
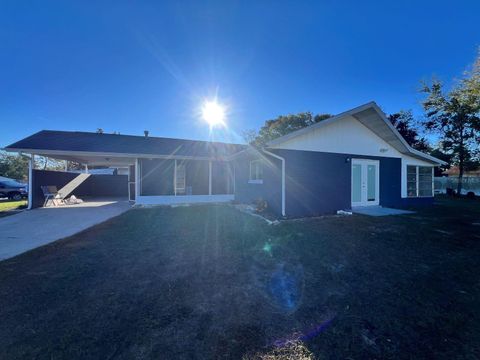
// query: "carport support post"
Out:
[210,177]
[31,166]
[137,179]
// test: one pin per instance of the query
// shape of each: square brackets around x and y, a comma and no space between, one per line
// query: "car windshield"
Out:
[12,183]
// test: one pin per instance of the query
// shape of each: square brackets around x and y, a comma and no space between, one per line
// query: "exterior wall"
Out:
[320,183]
[344,136]
[271,188]
[95,185]
[349,136]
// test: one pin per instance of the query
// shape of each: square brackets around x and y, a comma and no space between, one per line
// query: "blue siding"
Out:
[320,183]
[316,183]
[270,190]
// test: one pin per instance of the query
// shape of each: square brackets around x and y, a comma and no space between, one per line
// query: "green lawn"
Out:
[208,282]
[6,206]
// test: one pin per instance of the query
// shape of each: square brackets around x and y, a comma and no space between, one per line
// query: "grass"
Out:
[6,206]
[210,282]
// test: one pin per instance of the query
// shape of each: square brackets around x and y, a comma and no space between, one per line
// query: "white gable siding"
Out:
[349,136]
[344,136]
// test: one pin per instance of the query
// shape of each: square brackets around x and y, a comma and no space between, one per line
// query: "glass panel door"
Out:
[365,182]
[356,183]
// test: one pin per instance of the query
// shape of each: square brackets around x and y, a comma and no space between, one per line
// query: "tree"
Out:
[455,117]
[46,163]
[404,123]
[439,154]
[282,125]
[13,166]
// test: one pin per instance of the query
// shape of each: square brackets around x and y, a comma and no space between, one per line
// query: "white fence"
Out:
[471,183]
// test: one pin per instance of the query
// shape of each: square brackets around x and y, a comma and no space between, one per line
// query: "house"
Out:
[454,171]
[356,158]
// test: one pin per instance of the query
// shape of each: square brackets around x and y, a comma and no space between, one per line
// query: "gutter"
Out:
[283,177]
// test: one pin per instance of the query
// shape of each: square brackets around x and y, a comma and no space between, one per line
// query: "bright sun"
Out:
[213,113]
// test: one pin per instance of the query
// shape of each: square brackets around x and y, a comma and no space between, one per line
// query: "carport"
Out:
[161,170]
[90,187]
[84,185]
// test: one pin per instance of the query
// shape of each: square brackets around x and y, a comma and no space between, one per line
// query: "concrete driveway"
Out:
[30,229]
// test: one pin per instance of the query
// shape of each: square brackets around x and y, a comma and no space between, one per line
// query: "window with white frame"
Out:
[256,172]
[419,181]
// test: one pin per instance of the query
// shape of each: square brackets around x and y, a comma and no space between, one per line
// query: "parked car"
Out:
[13,190]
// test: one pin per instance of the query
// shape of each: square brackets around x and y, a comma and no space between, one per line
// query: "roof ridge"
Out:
[136,136]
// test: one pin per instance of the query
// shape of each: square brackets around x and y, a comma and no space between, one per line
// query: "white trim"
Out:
[417,181]
[31,166]
[404,148]
[105,154]
[433,182]
[175,178]
[137,179]
[234,178]
[364,178]
[283,177]
[257,180]
[318,125]
[210,177]
[183,199]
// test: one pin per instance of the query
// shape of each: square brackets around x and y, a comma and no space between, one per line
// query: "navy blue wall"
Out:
[318,183]
[95,185]
[270,190]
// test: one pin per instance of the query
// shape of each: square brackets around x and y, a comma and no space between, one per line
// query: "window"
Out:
[419,181]
[256,172]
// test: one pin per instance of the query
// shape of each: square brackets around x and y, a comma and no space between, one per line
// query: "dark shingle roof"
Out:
[49,140]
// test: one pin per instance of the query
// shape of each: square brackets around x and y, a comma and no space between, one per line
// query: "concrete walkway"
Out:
[30,229]
[379,211]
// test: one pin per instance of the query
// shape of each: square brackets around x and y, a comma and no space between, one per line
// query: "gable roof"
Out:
[51,142]
[372,117]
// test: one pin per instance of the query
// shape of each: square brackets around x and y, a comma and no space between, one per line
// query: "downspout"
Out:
[31,167]
[283,177]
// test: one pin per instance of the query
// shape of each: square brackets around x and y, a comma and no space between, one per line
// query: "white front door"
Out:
[365,182]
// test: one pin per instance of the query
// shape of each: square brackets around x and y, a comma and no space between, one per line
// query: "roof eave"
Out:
[52,153]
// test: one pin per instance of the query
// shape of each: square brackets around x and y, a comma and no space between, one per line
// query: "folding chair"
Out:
[51,193]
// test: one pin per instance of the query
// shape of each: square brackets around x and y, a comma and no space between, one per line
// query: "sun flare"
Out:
[213,113]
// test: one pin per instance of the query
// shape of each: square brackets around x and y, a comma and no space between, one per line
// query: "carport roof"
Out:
[48,142]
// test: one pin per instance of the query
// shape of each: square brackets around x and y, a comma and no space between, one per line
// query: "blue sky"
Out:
[128,66]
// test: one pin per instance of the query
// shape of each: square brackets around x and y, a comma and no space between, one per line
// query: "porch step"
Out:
[72,185]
